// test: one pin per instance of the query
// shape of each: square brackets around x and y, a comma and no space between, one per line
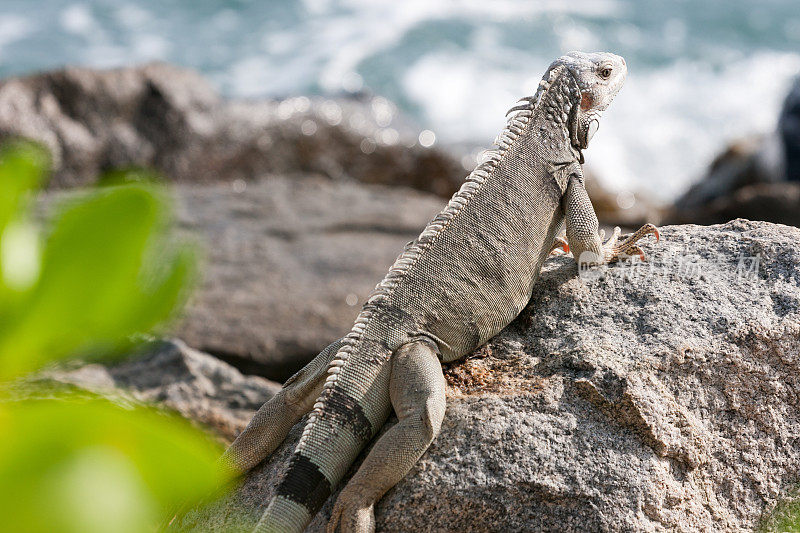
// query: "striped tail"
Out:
[353,406]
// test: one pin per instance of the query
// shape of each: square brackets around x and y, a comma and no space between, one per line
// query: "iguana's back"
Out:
[478,272]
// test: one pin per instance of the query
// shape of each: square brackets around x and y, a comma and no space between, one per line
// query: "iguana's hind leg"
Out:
[416,390]
[272,422]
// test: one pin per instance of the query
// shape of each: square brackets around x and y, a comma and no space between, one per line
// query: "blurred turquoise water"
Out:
[701,73]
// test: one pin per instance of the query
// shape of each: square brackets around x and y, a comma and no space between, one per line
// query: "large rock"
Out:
[92,121]
[196,385]
[289,263]
[171,120]
[658,397]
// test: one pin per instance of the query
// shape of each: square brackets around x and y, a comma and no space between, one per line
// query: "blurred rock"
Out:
[772,202]
[749,179]
[196,385]
[290,263]
[625,209]
[170,119]
[789,127]
[745,162]
[662,397]
[91,120]
[366,140]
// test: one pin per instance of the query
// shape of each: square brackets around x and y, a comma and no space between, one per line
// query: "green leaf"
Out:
[107,272]
[22,167]
[104,271]
[69,466]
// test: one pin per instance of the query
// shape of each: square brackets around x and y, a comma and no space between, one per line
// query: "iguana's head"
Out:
[599,76]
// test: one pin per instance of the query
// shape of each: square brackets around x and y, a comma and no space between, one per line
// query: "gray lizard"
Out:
[465,278]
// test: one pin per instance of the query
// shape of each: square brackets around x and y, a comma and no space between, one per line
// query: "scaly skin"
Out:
[466,277]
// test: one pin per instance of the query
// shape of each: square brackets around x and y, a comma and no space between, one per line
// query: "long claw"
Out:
[647,229]
[635,250]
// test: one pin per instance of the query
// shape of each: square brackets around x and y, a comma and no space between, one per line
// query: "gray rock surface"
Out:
[170,119]
[198,386]
[657,397]
[289,262]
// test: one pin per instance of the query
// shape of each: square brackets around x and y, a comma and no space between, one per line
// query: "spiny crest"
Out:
[556,98]
[518,118]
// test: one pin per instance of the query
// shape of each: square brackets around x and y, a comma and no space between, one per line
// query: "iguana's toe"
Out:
[612,241]
[351,516]
[560,247]
[333,522]
[635,251]
[647,229]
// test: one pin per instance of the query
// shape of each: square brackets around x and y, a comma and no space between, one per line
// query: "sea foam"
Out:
[697,79]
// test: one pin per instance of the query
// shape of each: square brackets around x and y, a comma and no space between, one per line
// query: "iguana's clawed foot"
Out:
[560,247]
[351,515]
[618,247]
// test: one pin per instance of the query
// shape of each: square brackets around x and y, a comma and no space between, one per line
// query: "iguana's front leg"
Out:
[585,241]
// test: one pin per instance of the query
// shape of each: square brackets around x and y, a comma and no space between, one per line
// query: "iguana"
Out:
[465,278]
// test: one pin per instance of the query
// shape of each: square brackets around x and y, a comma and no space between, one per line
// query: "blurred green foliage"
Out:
[785,516]
[99,272]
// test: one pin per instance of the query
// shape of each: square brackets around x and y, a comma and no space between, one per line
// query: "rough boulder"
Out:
[658,396]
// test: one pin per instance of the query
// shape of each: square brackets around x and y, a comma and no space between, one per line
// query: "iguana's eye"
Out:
[605,73]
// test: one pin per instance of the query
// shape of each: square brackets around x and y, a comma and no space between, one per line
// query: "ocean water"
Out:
[701,73]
